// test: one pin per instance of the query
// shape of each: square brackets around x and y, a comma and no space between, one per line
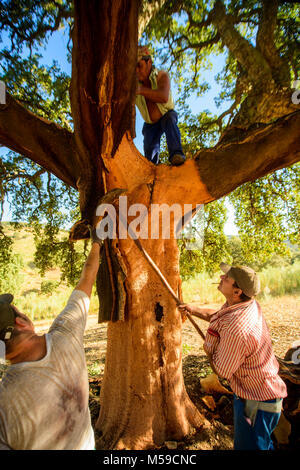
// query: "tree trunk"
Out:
[143,398]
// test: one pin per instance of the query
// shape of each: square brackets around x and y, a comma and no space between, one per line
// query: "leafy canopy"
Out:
[186,37]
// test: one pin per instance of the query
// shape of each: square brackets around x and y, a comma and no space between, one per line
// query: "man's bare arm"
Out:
[203,313]
[161,94]
[90,269]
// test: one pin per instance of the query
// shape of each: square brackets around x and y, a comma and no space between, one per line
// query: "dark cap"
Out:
[7,317]
[245,277]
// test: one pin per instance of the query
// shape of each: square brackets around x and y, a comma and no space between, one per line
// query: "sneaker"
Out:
[177,159]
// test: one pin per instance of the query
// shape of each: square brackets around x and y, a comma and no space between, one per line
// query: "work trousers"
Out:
[257,435]
[152,134]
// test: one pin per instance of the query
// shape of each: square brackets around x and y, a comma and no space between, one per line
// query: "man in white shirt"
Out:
[44,393]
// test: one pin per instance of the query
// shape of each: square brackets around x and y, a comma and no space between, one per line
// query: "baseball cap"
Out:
[245,277]
[7,317]
[143,53]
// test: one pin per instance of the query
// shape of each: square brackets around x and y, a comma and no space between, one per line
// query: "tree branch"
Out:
[248,56]
[147,11]
[43,142]
[265,41]
[255,154]
[18,18]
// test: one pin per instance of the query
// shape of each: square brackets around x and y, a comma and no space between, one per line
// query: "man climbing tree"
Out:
[88,147]
[155,102]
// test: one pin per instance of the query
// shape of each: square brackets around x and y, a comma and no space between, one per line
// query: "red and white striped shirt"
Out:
[239,342]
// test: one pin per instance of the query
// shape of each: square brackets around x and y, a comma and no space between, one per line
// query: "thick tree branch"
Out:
[102,86]
[265,42]
[248,56]
[42,141]
[147,11]
[253,155]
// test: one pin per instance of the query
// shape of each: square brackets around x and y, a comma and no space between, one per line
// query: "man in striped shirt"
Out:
[239,348]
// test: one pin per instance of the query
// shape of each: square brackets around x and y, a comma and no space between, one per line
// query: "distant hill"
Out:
[24,246]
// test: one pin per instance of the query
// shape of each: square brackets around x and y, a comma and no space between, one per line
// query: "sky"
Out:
[56,50]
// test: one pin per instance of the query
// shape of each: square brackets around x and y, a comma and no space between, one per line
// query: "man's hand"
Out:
[160,94]
[203,313]
[184,309]
[94,236]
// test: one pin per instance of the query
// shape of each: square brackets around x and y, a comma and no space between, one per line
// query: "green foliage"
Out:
[48,287]
[53,252]
[275,281]
[268,214]
[185,41]
[213,243]
[10,266]
[29,23]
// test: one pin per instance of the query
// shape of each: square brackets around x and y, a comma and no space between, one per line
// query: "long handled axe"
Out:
[158,272]
[111,197]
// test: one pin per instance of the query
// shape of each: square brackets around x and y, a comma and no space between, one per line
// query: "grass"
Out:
[275,282]
[38,306]
[43,298]
[201,289]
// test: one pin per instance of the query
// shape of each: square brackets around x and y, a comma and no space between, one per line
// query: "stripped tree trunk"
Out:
[143,398]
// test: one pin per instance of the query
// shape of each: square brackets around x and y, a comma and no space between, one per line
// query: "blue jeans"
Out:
[152,134]
[257,437]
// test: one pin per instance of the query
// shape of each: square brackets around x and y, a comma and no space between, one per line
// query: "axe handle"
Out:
[159,273]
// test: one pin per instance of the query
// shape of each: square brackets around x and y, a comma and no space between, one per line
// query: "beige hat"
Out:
[246,278]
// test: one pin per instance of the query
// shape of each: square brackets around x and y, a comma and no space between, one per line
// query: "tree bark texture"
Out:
[143,397]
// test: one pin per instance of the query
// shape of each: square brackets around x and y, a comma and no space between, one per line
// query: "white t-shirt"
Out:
[44,404]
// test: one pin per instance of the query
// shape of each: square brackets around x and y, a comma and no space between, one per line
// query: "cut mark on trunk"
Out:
[151,189]
[159,312]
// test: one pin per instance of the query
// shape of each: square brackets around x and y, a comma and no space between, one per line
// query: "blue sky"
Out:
[56,49]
